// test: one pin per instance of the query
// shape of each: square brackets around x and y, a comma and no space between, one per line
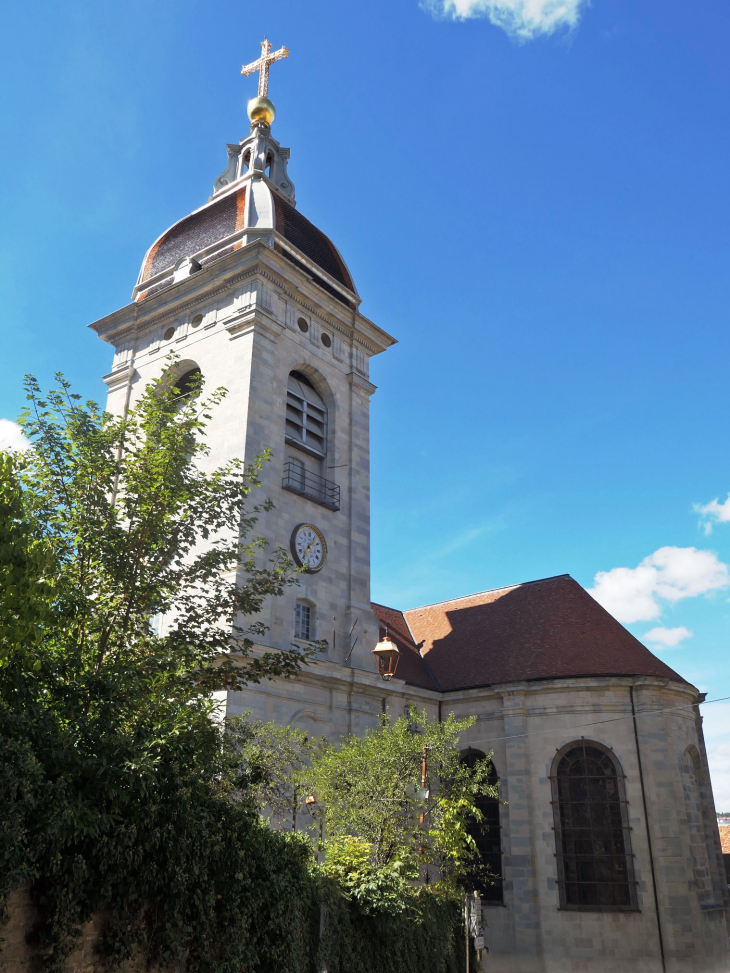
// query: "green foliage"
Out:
[121,795]
[370,787]
[268,760]
[424,935]
[25,567]
[384,889]
[138,530]
[117,781]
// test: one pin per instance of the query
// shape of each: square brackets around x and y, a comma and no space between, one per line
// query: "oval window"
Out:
[303,326]
[197,321]
[326,340]
[169,333]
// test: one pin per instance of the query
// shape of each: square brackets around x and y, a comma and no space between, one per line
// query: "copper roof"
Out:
[222,217]
[305,236]
[201,229]
[548,629]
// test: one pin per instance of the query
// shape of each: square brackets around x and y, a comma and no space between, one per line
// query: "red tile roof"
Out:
[547,629]
[411,666]
[725,838]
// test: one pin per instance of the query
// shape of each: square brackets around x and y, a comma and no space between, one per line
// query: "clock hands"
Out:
[306,553]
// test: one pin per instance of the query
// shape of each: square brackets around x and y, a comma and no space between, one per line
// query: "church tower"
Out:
[249,292]
[604,838]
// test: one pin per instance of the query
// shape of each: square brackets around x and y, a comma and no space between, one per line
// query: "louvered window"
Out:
[306,416]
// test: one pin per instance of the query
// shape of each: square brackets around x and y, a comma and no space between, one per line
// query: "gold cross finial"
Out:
[262,65]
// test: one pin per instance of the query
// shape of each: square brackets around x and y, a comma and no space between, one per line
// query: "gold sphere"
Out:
[261,110]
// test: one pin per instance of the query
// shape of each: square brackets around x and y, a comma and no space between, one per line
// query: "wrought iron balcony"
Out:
[310,485]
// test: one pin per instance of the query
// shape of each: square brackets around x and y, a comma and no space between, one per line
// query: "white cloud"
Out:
[713,511]
[11,437]
[668,638]
[523,19]
[716,728]
[669,574]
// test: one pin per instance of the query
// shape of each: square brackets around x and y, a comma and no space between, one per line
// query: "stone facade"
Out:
[524,725]
[248,341]
[237,318]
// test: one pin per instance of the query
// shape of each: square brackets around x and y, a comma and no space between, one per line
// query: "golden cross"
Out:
[262,65]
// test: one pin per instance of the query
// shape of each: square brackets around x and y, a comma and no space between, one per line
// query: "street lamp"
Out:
[315,809]
[387,657]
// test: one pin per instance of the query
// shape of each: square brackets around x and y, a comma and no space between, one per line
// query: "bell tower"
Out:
[255,296]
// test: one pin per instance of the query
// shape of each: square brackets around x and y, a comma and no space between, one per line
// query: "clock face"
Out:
[308,547]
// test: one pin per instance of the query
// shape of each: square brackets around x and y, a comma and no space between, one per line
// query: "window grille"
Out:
[306,416]
[595,869]
[295,471]
[303,621]
[487,836]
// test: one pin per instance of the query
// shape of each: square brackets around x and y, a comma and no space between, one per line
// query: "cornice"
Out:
[361,384]
[119,377]
[532,688]
[141,318]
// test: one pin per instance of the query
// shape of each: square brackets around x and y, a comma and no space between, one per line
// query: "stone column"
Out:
[520,867]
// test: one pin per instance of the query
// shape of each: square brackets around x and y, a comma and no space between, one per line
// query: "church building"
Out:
[604,837]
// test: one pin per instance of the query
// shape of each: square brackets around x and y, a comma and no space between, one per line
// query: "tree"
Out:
[116,763]
[137,531]
[378,817]
[269,760]
[25,561]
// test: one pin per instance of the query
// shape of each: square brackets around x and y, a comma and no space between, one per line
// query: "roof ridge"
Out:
[486,591]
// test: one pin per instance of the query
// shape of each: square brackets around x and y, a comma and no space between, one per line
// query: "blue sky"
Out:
[532,197]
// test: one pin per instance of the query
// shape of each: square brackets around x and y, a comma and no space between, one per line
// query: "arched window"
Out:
[306,416]
[186,378]
[188,382]
[488,838]
[595,868]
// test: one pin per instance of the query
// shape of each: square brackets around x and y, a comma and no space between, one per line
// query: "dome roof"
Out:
[248,201]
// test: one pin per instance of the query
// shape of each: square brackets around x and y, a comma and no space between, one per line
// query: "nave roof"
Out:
[547,629]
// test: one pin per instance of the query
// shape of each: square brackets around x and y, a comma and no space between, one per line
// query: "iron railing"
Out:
[307,484]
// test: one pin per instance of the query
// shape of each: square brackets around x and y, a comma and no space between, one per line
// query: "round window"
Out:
[326,340]
[197,321]
[169,333]
[303,326]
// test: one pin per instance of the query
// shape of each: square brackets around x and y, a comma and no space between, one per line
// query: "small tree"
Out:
[269,760]
[379,818]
